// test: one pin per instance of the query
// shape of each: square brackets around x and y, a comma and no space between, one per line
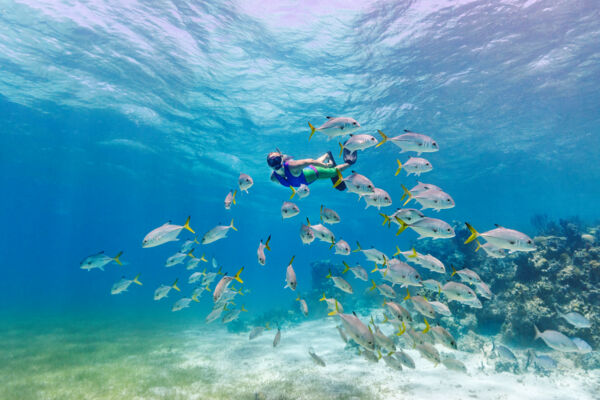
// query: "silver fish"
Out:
[224,284]
[504,353]
[229,199]
[385,290]
[429,227]
[414,165]
[341,247]
[188,245]
[556,340]
[491,250]
[290,276]
[340,283]
[422,187]
[458,292]
[318,360]
[260,253]
[336,126]
[429,352]
[430,199]
[99,260]
[214,314]
[358,271]
[176,258]
[302,191]
[392,362]
[454,365]
[379,198]
[277,338]
[306,234]
[332,304]
[123,284]
[289,210]
[358,142]
[582,345]
[218,232]
[257,331]
[232,315]
[443,337]
[467,275]
[411,141]
[483,290]
[356,183]
[503,238]
[400,273]
[163,290]
[440,308]
[303,306]
[575,319]
[245,182]
[181,304]
[165,233]
[329,216]
[424,260]
[398,312]
[405,359]
[372,254]
[421,305]
[322,233]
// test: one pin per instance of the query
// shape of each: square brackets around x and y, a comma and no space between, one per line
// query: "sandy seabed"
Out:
[211,363]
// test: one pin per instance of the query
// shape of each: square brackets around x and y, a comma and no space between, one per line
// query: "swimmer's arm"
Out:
[298,165]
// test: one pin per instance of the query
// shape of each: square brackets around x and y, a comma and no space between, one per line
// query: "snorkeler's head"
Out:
[275,160]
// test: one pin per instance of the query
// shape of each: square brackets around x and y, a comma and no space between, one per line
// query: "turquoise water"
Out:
[118,118]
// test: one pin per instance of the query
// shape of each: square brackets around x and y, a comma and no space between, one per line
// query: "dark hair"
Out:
[275,160]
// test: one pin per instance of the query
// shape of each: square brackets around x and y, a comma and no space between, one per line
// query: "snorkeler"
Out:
[293,173]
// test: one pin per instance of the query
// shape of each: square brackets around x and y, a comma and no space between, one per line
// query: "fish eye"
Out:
[354,123]
[420,144]
[529,242]
[448,229]
[427,163]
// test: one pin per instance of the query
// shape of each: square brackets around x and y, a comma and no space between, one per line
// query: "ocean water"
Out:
[117,117]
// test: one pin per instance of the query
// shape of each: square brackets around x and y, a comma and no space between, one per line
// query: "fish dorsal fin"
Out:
[167,223]
[498,226]
[354,313]
[408,131]
[329,117]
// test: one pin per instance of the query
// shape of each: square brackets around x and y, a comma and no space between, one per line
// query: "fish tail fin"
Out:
[196,240]
[341,148]
[426,326]
[174,285]
[397,251]
[219,272]
[292,260]
[243,309]
[340,178]
[328,275]
[406,194]
[376,268]
[347,267]
[336,311]
[237,276]
[407,294]
[323,298]
[207,289]
[372,321]
[414,253]
[298,298]
[478,246]
[203,258]
[474,233]
[385,318]
[403,226]
[187,225]
[231,225]
[307,221]
[233,197]
[358,248]
[384,138]
[386,219]
[401,331]
[374,286]
[191,254]
[537,332]
[267,243]
[116,258]
[293,192]
[453,271]
[399,167]
[312,130]
[332,243]
[136,280]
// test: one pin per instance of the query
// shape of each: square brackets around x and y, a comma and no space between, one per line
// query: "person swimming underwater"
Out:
[293,173]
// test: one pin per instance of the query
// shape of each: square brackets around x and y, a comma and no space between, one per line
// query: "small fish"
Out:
[503,238]
[165,233]
[303,306]
[358,271]
[379,198]
[411,141]
[430,199]
[504,353]
[372,254]
[414,165]
[370,356]
[277,338]
[357,331]
[290,276]
[331,304]
[582,345]
[422,187]
[433,285]
[575,319]
[321,232]
[123,284]
[257,331]
[245,182]
[335,126]
[188,245]
[392,362]
[177,258]
[195,261]
[99,260]
[197,292]
[405,359]
[342,334]
[458,292]
[214,263]
[491,250]
[589,239]
[318,360]
[400,273]
[385,290]
[406,215]
[341,247]
[218,232]
[196,276]
[289,210]
[421,304]
[381,340]
[358,142]
[224,284]
[424,260]
[454,365]
[164,290]
[442,336]
[556,340]
[230,199]
[440,308]
[483,290]
[340,283]
[182,303]
[232,315]
[429,352]
[302,191]
[260,253]
[429,227]
[306,234]
[398,312]
[214,314]
[356,183]
[329,216]
[466,275]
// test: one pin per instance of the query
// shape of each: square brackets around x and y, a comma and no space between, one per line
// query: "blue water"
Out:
[118,118]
